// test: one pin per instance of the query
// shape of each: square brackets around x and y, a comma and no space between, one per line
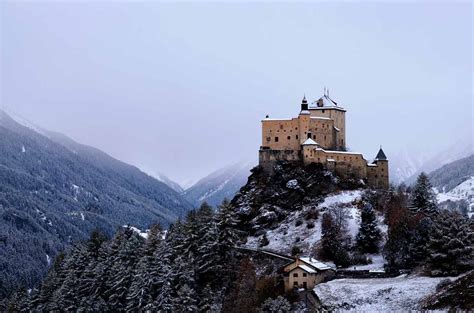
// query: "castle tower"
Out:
[381,178]
[304,104]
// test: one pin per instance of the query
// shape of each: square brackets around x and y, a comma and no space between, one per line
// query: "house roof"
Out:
[308,265]
[307,268]
[316,264]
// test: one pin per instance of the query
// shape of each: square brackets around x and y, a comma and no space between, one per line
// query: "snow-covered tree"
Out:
[278,305]
[228,236]
[369,234]
[418,243]
[451,248]
[423,198]
[335,239]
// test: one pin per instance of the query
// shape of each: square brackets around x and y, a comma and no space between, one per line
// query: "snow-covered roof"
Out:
[310,141]
[306,268]
[305,112]
[276,119]
[327,108]
[321,118]
[316,264]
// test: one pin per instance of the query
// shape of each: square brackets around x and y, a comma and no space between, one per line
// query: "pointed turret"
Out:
[304,104]
[381,155]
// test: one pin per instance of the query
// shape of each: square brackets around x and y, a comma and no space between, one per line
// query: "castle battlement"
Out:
[318,135]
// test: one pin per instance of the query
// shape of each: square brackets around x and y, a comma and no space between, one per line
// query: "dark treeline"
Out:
[421,235]
[193,268]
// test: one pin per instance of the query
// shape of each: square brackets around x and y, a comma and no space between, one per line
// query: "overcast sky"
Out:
[181,88]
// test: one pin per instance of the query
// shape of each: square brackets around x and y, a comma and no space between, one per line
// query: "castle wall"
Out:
[281,134]
[291,133]
[346,164]
[339,117]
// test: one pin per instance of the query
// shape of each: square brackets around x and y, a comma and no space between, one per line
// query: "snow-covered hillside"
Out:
[297,230]
[464,191]
[402,293]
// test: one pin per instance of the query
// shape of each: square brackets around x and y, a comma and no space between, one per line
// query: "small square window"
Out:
[304,274]
[288,137]
[295,274]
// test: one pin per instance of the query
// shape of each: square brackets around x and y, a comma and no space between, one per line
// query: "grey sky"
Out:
[181,88]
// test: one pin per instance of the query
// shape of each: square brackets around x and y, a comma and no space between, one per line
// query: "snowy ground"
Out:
[376,294]
[287,234]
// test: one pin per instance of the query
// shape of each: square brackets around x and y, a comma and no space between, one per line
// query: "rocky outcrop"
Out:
[270,196]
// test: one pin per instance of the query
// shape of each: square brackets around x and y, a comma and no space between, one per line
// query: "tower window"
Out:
[276,139]
[314,136]
[288,137]
[297,137]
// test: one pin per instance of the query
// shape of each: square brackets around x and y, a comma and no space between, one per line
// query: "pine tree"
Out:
[369,234]
[423,198]
[144,284]
[125,252]
[207,258]
[451,248]
[396,248]
[418,243]
[228,238]
[163,301]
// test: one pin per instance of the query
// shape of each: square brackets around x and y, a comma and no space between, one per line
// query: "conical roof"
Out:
[381,156]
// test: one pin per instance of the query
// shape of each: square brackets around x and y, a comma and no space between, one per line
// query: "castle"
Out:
[318,135]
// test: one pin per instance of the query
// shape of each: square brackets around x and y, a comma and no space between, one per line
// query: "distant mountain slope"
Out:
[223,183]
[454,184]
[461,149]
[451,175]
[169,182]
[54,191]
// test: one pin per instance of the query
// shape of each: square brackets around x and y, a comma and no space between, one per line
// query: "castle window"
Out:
[288,137]
[276,139]
[295,274]
[304,274]
[296,136]
[314,136]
